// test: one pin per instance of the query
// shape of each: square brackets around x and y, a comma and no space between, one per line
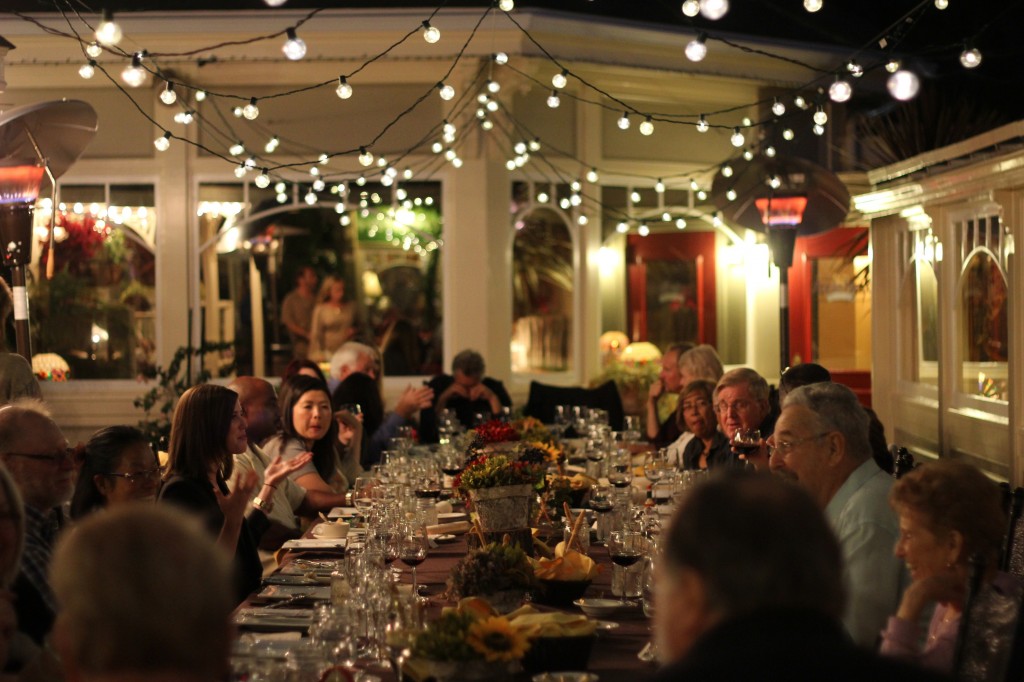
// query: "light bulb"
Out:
[554,101]
[282,198]
[659,186]
[274,3]
[318,185]
[778,108]
[344,90]
[702,124]
[714,9]
[506,5]
[643,230]
[272,145]
[769,151]
[250,110]
[500,58]
[970,58]
[818,129]
[560,79]
[726,171]
[493,87]
[592,176]
[200,95]
[941,4]
[647,127]
[361,180]
[691,8]
[737,138]
[702,195]
[622,228]
[666,217]
[800,102]
[575,186]
[892,66]
[262,180]
[310,197]
[820,117]
[437,147]
[731,195]
[693,185]
[582,219]
[813,5]
[236,149]
[163,142]
[697,49]
[446,91]
[748,155]
[492,106]
[634,196]
[294,47]
[840,91]
[855,69]
[93,50]
[774,182]
[87,70]
[240,171]
[542,198]
[168,96]
[324,159]
[365,157]
[407,174]
[534,144]
[134,75]
[249,164]
[108,32]
[510,164]
[788,134]
[449,154]
[448,127]
[431,34]
[681,223]
[624,121]
[903,85]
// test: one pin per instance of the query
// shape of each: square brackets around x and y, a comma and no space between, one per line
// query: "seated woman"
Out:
[207,430]
[118,466]
[303,366]
[948,511]
[709,448]
[308,426]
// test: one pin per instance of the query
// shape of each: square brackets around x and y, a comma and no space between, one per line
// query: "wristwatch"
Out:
[263,505]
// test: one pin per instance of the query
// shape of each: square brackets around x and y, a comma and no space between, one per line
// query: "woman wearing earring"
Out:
[949,511]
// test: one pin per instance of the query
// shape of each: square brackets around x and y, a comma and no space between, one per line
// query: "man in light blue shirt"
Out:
[821,442]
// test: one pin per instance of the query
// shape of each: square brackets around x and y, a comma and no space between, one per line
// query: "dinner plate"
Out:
[441,539]
[295,592]
[341,512]
[320,544]
[605,625]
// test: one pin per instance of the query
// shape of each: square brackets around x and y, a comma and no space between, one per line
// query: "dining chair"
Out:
[1012,557]
[988,641]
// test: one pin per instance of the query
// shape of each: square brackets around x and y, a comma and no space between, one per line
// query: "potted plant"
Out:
[501,487]
[499,573]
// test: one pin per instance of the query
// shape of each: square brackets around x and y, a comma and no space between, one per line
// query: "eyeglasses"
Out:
[695,405]
[137,477]
[784,447]
[57,457]
[737,405]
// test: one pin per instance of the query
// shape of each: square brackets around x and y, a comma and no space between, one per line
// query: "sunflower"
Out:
[496,640]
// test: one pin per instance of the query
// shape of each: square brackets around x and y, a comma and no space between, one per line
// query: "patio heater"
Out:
[783,198]
[37,142]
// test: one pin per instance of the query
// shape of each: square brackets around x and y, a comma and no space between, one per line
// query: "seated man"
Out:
[289,499]
[750,588]
[669,380]
[742,402]
[144,594]
[821,442]
[466,391]
[356,367]
[38,458]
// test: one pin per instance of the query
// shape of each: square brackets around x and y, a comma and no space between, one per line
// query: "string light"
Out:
[559,80]
[575,186]
[813,5]
[93,50]
[666,216]
[623,122]
[262,180]
[184,117]
[108,32]
[941,4]
[748,155]
[903,85]
[737,138]
[449,154]
[237,149]
[87,70]
[818,129]
[702,195]
[534,144]
[643,230]
[163,142]
[840,90]
[582,219]
[274,3]
[714,9]
[437,147]
[500,58]
[344,90]
[324,158]
[310,197]
[168,96]
[970,57]
[134,75]
[726,171]
[680,223]
[249,164]
[820,117]
[592,176]
[431,34]
[778,108]
[622,228]
[659,186]
[693,185]
[730,194]
[200,95]
[240,170]
[800,102]
[294,47]
[702,124]
[788,134]
[250,111]
[493,87]
[691,8]
[492,106]
[365,157]
[506,5]
[697,48]
[647,127]
[519,147]
[855,69]
[446,91]
[272,145]
[318,185]
[892,66]
[774,182]
[554,101]
[769,151]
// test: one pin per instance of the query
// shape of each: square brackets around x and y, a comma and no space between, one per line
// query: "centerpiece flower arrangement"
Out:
[469,644]
[500,573]
[502,487]
[497,470]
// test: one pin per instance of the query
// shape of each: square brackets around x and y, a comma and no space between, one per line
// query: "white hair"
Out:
[348,355]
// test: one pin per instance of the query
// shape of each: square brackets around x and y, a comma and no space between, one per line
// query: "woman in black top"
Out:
[207,429]
[709,448]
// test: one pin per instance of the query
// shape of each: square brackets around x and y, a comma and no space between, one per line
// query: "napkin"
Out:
[551,623]
[453,528]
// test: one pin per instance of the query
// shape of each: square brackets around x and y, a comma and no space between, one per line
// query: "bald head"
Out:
[259,402]
[36,454]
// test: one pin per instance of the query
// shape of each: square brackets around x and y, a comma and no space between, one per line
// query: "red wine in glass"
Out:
[626,558]
[413,560]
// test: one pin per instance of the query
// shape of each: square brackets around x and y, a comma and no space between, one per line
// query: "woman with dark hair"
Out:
[709,448]
[303,366]
[118,466]
[207,430]
[308,426]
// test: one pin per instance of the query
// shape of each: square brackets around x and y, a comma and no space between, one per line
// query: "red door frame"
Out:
[698,246]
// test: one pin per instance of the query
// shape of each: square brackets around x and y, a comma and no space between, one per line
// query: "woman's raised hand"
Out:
[278,469]
[234,503]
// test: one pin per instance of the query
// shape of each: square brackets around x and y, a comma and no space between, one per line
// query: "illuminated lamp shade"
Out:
[371,284]
[50,367]
[611,345]
[640,353]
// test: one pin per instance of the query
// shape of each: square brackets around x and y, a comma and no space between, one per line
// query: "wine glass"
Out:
[621,473]
[626,547]
[561,420]
[631,428]
[656,465]
[746,441]
[412,549]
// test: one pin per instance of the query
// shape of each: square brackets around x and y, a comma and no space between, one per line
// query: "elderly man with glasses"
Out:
[742,402]
[43,467]
[821,442]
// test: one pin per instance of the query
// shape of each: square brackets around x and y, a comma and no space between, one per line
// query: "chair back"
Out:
[1012,557]
[987,645]
[902,460]
[544,398]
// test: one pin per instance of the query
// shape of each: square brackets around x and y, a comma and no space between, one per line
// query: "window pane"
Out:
[921,356]
[96,315]
[841,312]
[983,326]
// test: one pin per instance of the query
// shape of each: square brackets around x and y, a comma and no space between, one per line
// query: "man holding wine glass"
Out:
[745,414]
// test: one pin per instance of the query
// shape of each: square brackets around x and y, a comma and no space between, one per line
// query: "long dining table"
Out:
[615,652]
